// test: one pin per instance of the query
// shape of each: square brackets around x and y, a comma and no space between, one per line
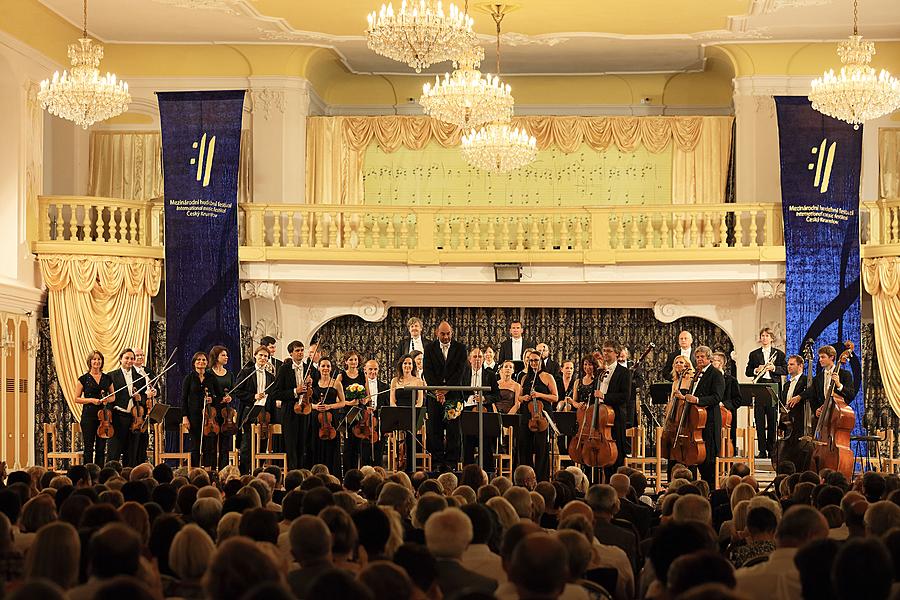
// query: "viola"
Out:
[229,418]
[594,445]
[832,435]
[366,427]
[326,426]
[138,416]
[537,423]
[210,415]
[105,430]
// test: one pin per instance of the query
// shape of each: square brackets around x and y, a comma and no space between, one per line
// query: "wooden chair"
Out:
[53,456]
[659,470]
[258,454]
[639,459]
[159,448]
[504,460]
[745,442]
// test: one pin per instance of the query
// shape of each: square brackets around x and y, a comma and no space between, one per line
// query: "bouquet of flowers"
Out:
[355,391]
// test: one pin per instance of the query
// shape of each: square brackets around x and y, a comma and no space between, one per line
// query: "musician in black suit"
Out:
[732,398]
[547,363]
[444,361]
[708,392]
[414,341]
[513,347]
[257,383]
[291,382]
[137,445]
[613,390]
[128,383]
[791,400]
[477,375]
[685,341]
[378,393]
[827,376]
[271,344]
[769,364]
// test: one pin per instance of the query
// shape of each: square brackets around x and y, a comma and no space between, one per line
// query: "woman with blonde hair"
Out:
[135,516]
[55,555]
[506,514]
[741,492]
[189,556]
[229,526]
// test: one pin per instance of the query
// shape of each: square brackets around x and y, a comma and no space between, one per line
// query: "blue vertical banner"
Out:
[820,166]
[201,142]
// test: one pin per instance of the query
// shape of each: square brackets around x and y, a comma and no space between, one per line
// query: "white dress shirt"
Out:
[445,348]
[476,382]
[517,348]
[767,354]
[373,392]
[604,383]
[260,380]
[416,344]
[696,383]
[687,352]
[792,385]
[129,381]
[775,579]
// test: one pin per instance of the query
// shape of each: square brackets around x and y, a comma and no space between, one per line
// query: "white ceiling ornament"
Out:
[727,34]
[228,6]
[521,39]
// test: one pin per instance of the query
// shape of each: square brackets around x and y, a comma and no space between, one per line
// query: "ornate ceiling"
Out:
[543,36]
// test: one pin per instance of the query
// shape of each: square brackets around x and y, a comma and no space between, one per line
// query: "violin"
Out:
[303,406]
[366,427]
[594,445]
[326,426]
[537,423]
[210,415]
[264,420]
[138,416]
[836,421]
[229,418]
[105,430]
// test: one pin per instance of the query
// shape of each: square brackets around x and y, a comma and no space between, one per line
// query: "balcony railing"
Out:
[436,235]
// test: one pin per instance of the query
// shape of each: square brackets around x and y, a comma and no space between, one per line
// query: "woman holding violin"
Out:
[406,375]
[194,394]
[706,392]
[539,395]
[328,400]
[222,380]
[90,390]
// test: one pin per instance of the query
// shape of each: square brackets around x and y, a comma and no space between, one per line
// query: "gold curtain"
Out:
[889,163]
[335,147]
[881,277]
[96,302]
[128,164]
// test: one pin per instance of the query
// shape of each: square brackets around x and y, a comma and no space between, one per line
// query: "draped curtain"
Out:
[889,163]
[128,164]
[96,302]
[881,277]
[336,145]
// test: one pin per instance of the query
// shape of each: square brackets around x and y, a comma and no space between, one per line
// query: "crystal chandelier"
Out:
[83,95]
[421,34]
[498,147]
[855,94]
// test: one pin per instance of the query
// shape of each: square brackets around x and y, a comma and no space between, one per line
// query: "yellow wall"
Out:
[800,58]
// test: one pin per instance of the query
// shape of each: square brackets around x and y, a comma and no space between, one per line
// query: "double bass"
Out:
[682,438]
[832,435]
[594,444]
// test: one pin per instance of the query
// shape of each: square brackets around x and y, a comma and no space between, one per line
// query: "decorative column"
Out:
[265,310]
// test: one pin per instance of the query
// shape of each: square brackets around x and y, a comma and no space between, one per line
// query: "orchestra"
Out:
[329,403]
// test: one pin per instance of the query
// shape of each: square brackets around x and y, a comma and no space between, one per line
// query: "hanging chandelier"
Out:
[420,34]
[498,147]
[83,95]
[855,94]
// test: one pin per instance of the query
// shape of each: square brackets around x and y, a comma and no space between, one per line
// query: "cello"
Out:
[836,421]
[594,445]
[688,420]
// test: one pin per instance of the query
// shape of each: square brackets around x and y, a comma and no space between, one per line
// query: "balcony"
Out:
[417,235]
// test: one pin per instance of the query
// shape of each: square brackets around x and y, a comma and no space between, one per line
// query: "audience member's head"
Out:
[800,525]
[191,552]
[690,571]
[55,555]
[539,566]
[880,517]
[448,533]
[865,570]
[237,567]
[114,550]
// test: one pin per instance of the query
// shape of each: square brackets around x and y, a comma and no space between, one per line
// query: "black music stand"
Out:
[469,419]
[157,414]
[479,398]
[399,418]
[660,392]
[253,413]
[767,392]
[565,424]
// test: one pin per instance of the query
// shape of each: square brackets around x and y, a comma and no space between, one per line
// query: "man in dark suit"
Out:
[414,341]
[259,381]
[512,348]
[685,340]
[290,385]
[444,361]
[768,364]
[127,383]
[613,390]
[137,445]
[708,392]
[547,363]
[447,535]
[378,395]
[604,501]
[732,398]
[475,375]
[828,376]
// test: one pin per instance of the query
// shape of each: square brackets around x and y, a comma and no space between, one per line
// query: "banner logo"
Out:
[822,179]
[210,151]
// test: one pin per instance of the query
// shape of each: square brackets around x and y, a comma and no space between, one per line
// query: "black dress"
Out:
[327,452]
[404,397]
[351,442]
[192,403]
[94,446]
[216,454]
[534,449]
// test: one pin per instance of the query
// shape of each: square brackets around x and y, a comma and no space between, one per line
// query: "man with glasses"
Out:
[613,391]
[539,385]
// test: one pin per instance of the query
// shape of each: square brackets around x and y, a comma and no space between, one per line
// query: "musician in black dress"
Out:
[128,385]
[291,382]
[222,381]
[257,382]
[533,446]
[566,384]
[328,400]
[708,392]
[91,389]
[444,360]
[768,364]
[406,375]
[193,392]
[141,438]
[475,375]
[351,374]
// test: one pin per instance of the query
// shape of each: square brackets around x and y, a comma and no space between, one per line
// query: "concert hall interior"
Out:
[536,261]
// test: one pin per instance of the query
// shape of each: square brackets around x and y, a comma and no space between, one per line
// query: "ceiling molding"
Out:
[29,52]
[583,110]
[772,85]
